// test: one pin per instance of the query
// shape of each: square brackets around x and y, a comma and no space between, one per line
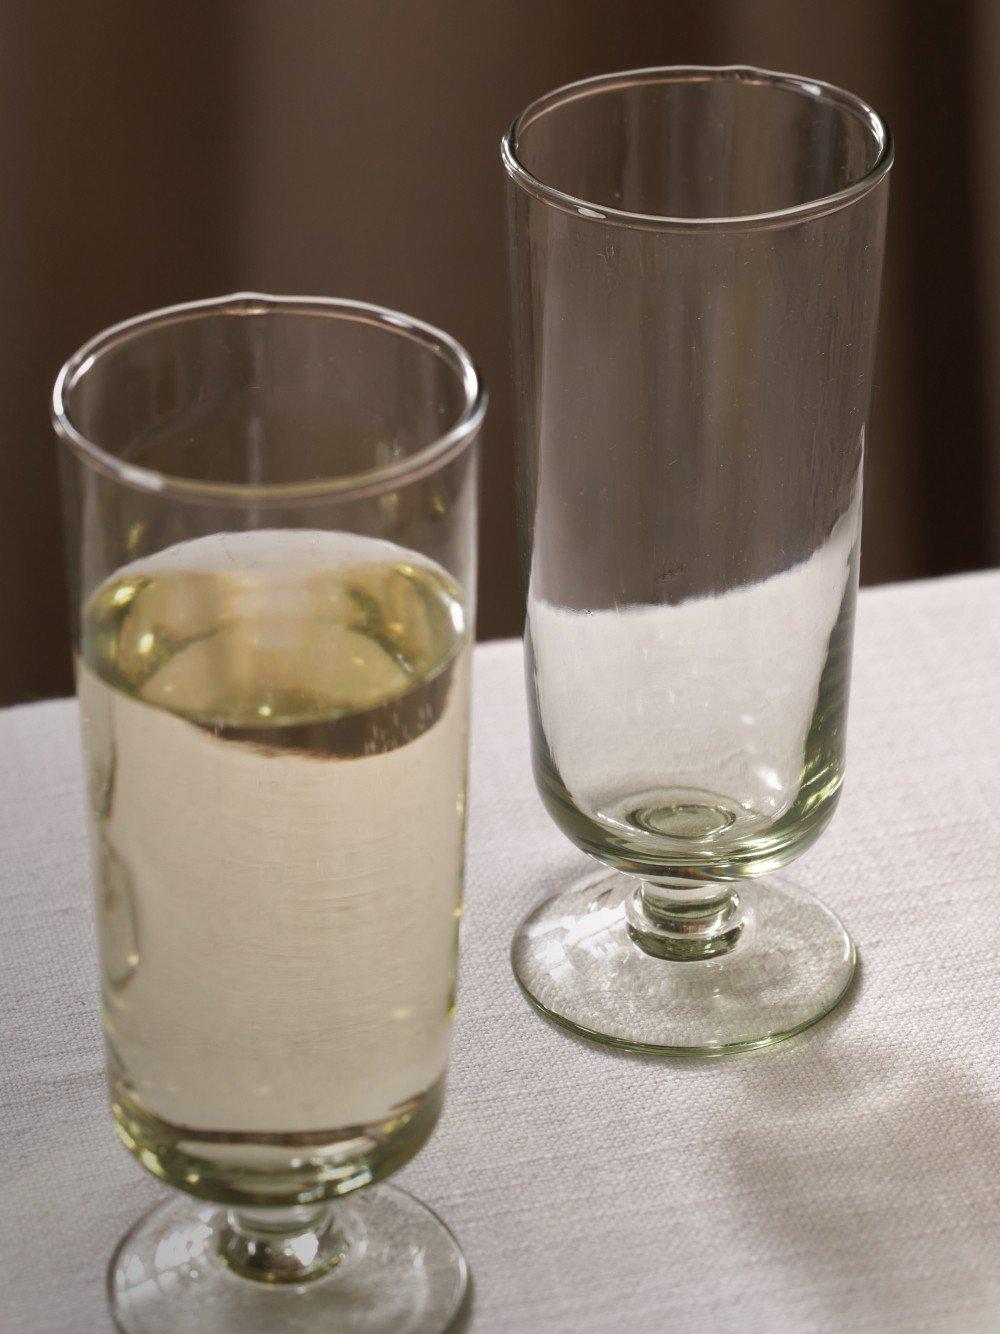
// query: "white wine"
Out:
[275,730]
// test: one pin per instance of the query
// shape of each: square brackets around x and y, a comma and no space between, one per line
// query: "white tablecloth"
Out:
[847,1180]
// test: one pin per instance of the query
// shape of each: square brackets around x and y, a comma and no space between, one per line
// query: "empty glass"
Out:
[695,265]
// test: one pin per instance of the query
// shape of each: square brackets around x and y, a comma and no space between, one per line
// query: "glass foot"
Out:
[577,961]
[380,1261]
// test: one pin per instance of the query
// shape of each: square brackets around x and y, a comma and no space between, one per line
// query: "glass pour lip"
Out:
[814,88]
[373,481]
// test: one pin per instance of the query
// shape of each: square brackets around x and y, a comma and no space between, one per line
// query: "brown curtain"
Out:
[160,150]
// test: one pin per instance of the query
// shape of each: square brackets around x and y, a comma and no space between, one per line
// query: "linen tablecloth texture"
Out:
[847,1180]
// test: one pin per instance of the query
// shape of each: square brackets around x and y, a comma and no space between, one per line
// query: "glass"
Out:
[271,522]
[695,268]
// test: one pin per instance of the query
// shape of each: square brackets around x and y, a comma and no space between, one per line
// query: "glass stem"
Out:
[684,922]
[289,1245]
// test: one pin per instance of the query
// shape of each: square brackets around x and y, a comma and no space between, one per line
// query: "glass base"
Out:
[381,1261]
[578,963]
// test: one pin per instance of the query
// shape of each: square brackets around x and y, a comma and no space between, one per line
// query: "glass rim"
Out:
[588,209]
[371,481]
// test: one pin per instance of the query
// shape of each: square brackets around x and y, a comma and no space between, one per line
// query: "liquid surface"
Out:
[275,731]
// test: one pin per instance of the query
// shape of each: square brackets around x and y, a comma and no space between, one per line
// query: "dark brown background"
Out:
[154,151]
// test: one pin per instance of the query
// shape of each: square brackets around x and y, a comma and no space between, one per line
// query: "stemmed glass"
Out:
[270,519]
[695,269]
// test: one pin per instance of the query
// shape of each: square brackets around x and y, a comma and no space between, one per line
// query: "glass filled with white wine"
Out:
[271,523]
[695,263]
